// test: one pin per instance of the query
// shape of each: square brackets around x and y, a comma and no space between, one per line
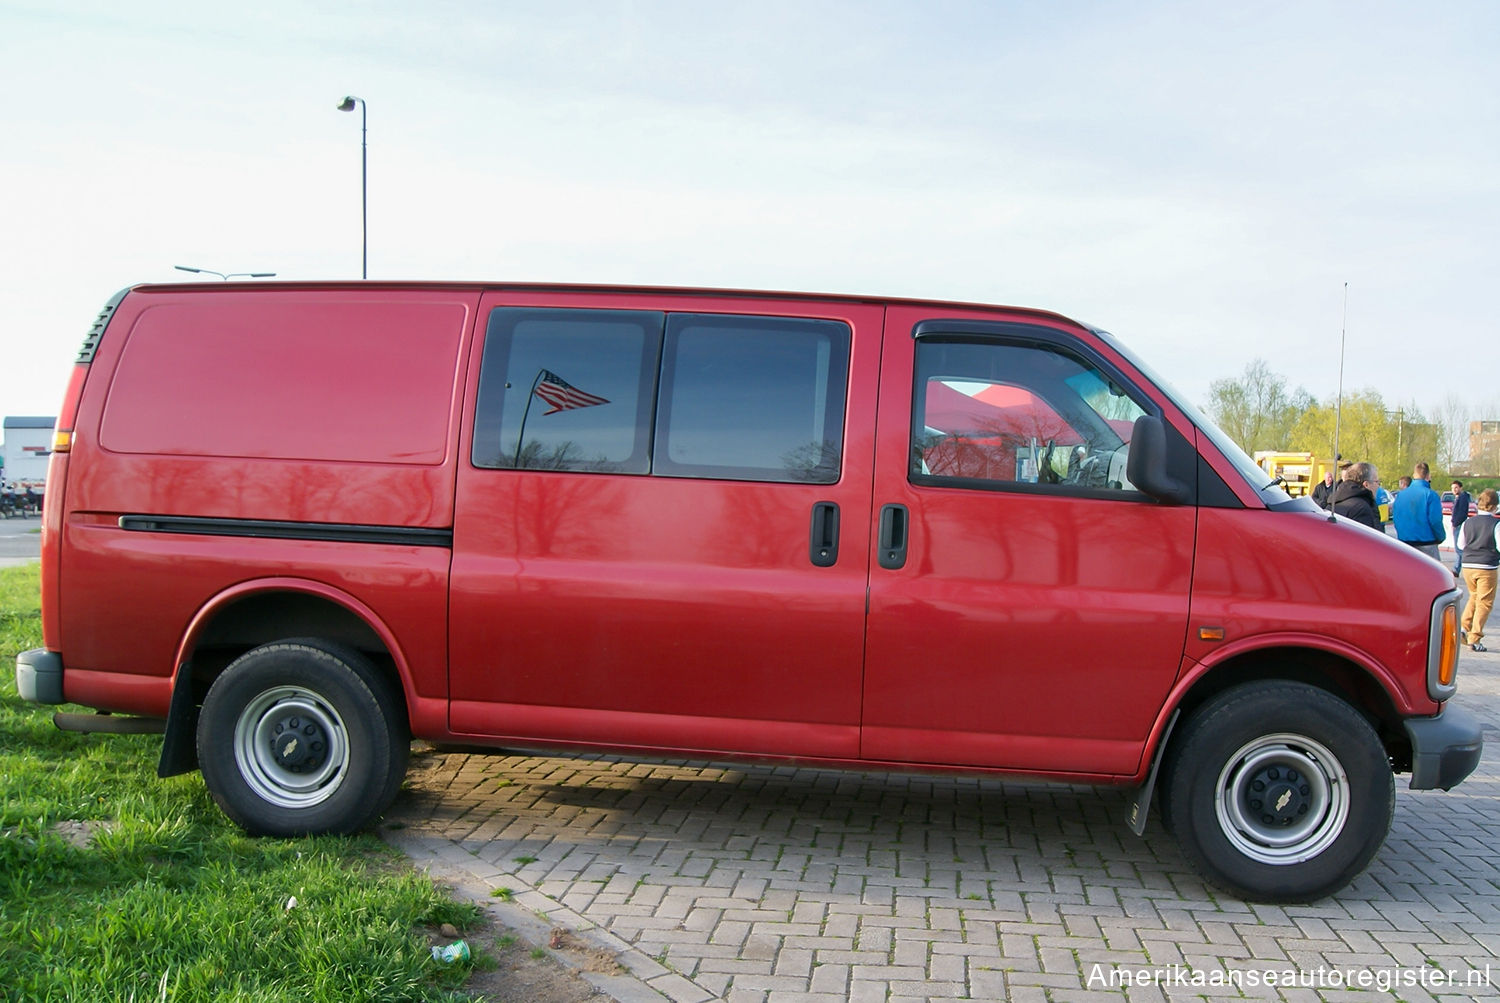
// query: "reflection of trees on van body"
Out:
[294,490]
[558,516]
[760,518]
[1031,539]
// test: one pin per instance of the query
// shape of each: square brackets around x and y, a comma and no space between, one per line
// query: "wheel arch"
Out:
[1343,674]
[251,614]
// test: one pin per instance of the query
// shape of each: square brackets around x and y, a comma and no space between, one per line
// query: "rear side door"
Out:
[1028,606]
[662,522]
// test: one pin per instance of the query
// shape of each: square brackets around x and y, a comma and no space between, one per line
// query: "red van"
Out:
[295,525]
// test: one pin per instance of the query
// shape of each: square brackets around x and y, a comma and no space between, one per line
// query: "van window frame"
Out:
[654,406]
[833,395]
[1032,336]
[500,330]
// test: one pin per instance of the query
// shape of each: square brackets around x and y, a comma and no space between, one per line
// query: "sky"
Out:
[1202,179]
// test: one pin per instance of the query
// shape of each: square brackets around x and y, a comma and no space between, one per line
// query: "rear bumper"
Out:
[1444,749]
[39,676]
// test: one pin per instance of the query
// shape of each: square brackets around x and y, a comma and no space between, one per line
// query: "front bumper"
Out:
[39,676]
[1444,749]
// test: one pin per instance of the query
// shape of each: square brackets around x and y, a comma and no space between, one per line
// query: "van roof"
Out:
[213,288]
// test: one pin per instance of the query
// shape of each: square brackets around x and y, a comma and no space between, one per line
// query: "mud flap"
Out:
[1140,805]
[179,747]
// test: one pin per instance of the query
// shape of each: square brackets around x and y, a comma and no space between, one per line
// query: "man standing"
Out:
[1322,495]
[1418,512]
[1460,513]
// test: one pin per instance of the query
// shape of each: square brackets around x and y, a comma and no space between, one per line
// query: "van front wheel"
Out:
[1279,792]
[301,738]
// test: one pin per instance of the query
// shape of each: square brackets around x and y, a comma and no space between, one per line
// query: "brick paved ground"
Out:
[764,884]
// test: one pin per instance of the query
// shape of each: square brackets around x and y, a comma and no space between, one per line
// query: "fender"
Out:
[1194,671]
[179,751]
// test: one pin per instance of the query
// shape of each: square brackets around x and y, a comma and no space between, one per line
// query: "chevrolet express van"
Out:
[294,526]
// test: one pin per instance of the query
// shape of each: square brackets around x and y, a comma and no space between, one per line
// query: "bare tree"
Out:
[1452,418]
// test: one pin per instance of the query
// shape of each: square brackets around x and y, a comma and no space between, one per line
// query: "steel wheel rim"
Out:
[291,747]
[1282,799]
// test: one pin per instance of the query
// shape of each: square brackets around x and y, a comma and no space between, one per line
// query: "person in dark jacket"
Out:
[1322,495]
[1456,519]
[1354,498]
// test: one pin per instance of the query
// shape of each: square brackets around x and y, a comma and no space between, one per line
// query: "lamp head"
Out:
[347,104]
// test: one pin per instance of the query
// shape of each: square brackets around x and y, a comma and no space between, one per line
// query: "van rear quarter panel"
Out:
[335,404]
[132,597]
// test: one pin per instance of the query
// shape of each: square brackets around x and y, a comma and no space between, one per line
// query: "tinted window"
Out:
[752,398]
[567,390]
[1000,412]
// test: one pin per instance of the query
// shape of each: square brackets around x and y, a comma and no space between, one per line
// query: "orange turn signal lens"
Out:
[1447,669]
[62,440]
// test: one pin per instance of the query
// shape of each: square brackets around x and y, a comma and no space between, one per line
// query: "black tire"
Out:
[302,737]
[1278,792]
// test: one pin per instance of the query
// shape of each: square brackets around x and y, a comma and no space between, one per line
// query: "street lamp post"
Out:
[364,180]
[226,276]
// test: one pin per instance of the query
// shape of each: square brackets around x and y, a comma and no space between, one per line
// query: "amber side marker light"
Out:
[1448,656]
[62,441]
[1210,633]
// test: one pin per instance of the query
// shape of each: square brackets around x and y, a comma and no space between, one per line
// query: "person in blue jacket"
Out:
[1418,513]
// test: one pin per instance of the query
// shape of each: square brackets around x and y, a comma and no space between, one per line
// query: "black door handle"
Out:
[894,532]
[823,546]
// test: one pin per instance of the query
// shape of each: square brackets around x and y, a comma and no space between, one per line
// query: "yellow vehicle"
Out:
[1299,472]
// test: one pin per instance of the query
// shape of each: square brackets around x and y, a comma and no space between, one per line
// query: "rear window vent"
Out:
[91,340]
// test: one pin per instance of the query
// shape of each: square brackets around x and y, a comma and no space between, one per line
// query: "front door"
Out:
[1028,606]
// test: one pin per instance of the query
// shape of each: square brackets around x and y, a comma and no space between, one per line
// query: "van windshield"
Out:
[1256,477]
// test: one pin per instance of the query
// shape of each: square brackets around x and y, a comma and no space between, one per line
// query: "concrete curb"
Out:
[534,916]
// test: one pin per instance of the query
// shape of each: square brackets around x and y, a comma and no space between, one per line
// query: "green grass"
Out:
[169,901]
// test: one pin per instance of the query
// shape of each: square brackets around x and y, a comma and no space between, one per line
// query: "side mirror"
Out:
[1146,464]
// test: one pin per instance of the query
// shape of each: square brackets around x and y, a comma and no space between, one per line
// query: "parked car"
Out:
[1448,499]
[293,526]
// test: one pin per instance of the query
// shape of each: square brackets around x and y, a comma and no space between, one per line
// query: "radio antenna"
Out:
[1338,408]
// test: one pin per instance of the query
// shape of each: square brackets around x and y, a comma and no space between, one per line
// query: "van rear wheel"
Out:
[1278,792]
[302,737]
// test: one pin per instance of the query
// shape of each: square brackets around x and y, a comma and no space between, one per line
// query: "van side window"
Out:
[752,398]
[999,413]
[567,390]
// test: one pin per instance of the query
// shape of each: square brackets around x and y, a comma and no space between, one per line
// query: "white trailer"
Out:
[25,450]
